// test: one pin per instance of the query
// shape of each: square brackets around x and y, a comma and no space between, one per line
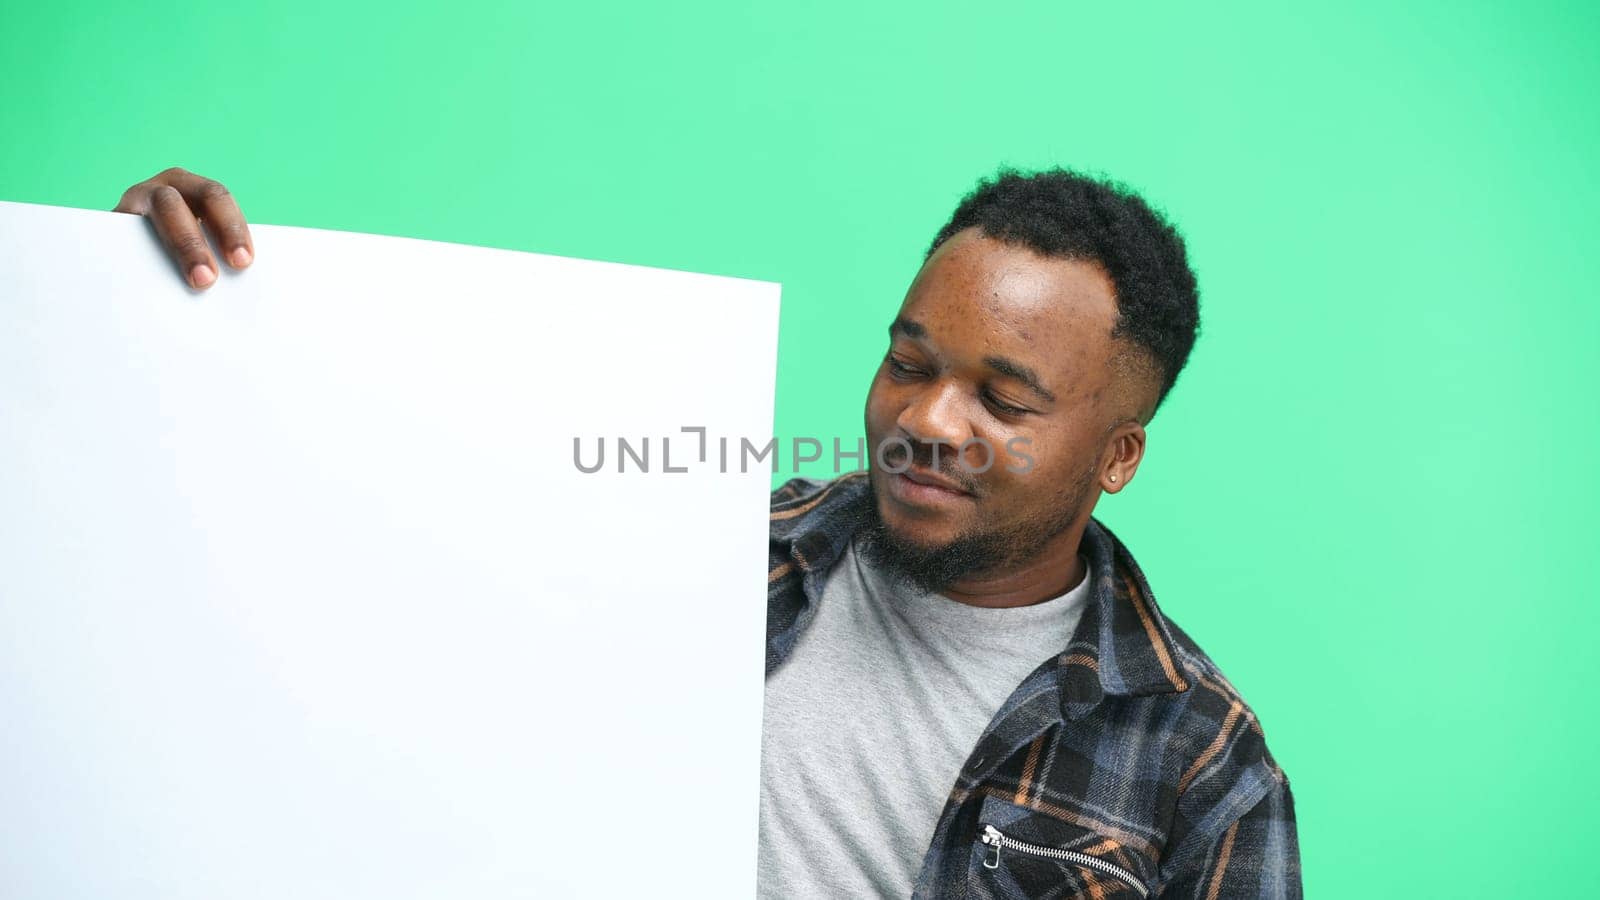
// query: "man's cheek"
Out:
[879,422]
[1019,455]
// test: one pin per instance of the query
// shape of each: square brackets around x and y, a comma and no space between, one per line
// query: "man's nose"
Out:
[937,416]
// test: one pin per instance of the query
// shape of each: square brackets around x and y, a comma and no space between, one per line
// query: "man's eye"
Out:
[899,368]
[1001,407]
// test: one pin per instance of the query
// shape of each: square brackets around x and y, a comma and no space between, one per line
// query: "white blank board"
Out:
[302,594]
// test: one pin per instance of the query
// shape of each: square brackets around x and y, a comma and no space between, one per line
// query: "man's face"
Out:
[1008,352]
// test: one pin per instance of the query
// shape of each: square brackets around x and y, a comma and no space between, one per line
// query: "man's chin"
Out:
[902,560]
[917,559]
[916,536]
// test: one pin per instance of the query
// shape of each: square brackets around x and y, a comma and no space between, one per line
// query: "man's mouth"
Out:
[926,488]
[930,478]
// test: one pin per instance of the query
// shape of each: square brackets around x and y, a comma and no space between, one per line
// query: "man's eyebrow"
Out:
[907,327]
[1020,372]
[1007,367]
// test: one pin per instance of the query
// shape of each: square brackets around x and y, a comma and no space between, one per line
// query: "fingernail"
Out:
[202,275]
[240,257]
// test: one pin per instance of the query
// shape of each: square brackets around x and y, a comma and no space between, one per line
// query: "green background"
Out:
[1365,496]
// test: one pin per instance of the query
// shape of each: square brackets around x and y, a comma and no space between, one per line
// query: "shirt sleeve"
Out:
[1257,857]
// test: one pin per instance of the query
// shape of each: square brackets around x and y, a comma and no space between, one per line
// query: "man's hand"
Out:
[176,202]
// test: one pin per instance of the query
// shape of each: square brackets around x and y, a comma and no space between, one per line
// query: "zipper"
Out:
[996,839]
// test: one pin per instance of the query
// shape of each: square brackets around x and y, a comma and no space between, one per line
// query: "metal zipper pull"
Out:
[991,836]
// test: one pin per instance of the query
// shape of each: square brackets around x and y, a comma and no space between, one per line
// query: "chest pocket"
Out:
[1021,853]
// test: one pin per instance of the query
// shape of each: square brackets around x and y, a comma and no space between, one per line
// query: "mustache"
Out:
[922,456]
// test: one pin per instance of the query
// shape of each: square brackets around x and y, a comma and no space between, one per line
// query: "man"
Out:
[954,614]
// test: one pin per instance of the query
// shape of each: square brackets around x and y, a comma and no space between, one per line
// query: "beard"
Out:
[931,568]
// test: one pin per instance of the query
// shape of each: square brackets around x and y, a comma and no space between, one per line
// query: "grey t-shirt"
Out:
[867,723]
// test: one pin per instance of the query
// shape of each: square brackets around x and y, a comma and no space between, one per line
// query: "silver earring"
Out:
[1113,478]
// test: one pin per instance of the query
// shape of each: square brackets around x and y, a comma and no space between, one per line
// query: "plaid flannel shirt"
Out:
[1126,766]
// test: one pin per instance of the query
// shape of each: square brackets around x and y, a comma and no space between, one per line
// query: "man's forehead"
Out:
[980,294]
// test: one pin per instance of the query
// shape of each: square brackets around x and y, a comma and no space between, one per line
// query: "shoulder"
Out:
[796,489]
[1223,713]
[1218,753]
[812,520]
[1229,789]
[801,496]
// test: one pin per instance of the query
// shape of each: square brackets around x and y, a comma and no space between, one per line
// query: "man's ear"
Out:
[1124,451]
